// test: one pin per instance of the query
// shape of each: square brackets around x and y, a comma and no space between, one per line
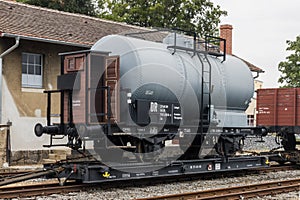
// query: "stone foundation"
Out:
[34,157]
[4,130]
[28,157]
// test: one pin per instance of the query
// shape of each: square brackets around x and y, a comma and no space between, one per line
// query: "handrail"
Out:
[208,41]
[211,39]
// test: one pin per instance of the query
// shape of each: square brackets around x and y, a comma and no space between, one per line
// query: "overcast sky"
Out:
[260,31]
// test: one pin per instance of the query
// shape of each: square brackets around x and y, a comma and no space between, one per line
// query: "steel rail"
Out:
[13,173]
[40,190]
[236,192]
[27,176]
[276,168]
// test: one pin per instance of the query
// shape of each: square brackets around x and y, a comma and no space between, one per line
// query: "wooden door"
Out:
[112,76]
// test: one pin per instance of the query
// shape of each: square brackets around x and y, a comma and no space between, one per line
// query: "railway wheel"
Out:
[147,152]
[228,146]
[190,145]
[288,141]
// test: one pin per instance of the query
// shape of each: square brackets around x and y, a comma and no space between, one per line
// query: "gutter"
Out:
[257,75]
[1,63]
[45,40]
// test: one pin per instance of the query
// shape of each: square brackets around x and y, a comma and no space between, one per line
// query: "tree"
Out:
[290,68]
[199,16]
[75,6]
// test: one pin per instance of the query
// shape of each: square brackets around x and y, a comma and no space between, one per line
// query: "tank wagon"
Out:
[133,95]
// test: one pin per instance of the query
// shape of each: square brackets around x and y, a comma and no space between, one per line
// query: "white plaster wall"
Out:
[251,110]
[22,133]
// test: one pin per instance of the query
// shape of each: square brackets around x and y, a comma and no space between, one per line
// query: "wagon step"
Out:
[121,147]
[121,133]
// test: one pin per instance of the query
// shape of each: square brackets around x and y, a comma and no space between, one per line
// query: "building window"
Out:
[32,70]
[250,120]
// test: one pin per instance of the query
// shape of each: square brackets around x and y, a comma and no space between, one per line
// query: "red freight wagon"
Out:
[278,109]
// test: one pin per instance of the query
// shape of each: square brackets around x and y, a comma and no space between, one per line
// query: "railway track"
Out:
[19,177]
[276,168]
[40,190]
[5,174]
[237,192]
[43,188]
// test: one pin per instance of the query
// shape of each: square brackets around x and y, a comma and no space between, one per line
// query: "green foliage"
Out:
[75,6]
[290,68]
[199,16]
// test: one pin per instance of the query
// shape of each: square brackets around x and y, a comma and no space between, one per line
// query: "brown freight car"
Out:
[93,70]
[278,109]
[89,96]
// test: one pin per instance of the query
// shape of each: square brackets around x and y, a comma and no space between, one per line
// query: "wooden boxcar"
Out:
[278,109]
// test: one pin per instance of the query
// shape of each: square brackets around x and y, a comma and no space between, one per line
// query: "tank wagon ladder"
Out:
[213,50]
[205,79]
[205,93]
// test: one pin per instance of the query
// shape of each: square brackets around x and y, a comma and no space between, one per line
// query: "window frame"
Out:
[34,79]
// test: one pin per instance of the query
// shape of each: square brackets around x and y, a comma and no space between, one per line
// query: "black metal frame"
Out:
[210,39]
[97,172]
[62,127]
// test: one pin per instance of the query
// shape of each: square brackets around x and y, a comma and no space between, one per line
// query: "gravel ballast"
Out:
[186,186]
[132,192]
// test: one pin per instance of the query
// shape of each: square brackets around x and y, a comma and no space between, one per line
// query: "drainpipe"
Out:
[1,63]
[257,75]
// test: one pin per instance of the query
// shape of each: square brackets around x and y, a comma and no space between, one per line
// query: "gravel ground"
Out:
[268,143]
[187,186]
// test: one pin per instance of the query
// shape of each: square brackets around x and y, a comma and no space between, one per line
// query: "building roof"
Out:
[55,26]
[42,24]
[252,67]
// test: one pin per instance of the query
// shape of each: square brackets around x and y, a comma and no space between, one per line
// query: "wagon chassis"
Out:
[98,172]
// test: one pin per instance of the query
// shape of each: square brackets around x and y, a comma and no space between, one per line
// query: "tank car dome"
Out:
[238,83]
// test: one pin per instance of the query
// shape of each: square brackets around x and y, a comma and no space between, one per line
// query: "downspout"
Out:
[257,75]
[1,63]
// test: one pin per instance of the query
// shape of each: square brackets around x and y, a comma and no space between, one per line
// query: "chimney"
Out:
[226,33]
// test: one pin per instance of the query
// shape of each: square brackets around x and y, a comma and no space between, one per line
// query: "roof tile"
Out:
[26,20]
